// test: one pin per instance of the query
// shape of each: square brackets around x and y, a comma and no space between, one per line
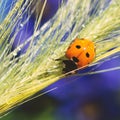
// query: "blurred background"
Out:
[91,97]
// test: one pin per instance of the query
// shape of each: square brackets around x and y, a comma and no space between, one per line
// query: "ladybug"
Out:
[80,53]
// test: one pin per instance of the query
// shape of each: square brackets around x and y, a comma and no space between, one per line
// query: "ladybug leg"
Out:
[60,59]
[69,66]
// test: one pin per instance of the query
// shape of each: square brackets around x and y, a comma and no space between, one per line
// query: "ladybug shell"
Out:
[81,51]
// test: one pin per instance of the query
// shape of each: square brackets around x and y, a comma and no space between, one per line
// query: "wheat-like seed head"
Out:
[23,76]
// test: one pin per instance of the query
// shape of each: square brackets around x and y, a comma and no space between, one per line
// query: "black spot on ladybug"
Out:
[75,59]
[87,55]
[78,46]
[69,66]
